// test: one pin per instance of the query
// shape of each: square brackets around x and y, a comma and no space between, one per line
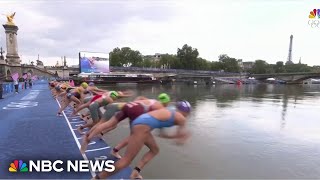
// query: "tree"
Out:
[216,66]
[229,64]
[279,67]
[292,68]
[125,57]
[115,59]
[166,61]
[147,62]
[188,56]
[202,64]
[259,67]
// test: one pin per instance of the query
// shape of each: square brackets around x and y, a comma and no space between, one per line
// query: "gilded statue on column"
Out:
[10,19]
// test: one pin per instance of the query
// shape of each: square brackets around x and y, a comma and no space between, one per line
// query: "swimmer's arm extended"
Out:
[109,100]
[181,133]
[125,94]
[99,90]
[80,108]
[140,98]
[76,100]
[62,93]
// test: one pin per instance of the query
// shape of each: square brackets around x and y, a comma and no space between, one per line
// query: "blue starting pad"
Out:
[97,149]
[30,130]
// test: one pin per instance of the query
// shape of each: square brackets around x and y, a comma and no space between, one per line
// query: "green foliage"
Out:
[290,68]
[279,67]
[229,64]
[259,67]
[188,58]
[125,57]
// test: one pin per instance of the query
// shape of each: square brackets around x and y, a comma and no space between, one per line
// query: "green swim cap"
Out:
[113,94]
[84,85]
[164,98]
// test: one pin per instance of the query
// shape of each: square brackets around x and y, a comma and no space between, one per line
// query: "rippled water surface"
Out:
[250,131]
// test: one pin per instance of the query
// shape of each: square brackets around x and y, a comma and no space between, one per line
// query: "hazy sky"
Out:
[244,29]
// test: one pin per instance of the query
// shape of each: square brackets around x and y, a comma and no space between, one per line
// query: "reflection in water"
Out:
[284,110]
[236,132]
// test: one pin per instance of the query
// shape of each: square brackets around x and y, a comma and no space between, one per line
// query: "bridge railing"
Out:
[177,71]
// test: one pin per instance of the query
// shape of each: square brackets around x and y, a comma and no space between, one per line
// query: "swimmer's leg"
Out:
[87,138]
[153,151]
[122,144]
[136,142]
[87,125]
[63,107]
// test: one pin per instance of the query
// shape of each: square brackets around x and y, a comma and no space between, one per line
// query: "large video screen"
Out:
[91,62]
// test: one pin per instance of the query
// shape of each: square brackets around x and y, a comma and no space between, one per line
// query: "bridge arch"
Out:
[30,71]
[8,73]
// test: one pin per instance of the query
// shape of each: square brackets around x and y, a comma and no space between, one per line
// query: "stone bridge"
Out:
[172,72]
[288,77]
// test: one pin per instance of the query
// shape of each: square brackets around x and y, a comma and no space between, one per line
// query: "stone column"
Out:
[12,56]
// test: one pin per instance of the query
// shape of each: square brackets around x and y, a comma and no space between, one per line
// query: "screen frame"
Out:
[93,53]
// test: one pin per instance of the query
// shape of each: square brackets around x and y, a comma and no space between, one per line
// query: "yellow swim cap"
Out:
[84,85]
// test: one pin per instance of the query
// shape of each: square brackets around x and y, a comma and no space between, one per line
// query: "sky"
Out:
[243,29]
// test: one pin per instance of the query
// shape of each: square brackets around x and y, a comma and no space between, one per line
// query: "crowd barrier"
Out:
[8,87]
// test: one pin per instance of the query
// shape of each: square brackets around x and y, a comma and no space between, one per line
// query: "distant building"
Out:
[74,66]
[155,57]
[240,63]
[39,63]
[247,65]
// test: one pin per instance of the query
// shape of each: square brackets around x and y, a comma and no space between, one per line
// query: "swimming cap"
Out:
[91,84]
[63,86]
[183,106]
[113,94]
[58,87]
[164,98]
[84,85]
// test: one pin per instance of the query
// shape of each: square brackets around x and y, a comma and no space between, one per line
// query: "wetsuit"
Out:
[96,97]
[133,110]
[94,107]
[152,122]
[111,109]
[75,92]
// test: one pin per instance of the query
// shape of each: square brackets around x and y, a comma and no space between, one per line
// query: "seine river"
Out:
[251,131]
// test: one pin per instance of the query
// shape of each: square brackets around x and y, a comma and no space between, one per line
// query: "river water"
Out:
[250,131]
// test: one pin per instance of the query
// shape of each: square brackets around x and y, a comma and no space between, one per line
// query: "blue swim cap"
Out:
[183,106]
[91,84]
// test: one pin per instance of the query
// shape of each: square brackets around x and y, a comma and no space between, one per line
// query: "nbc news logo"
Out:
[18,165]
[59,166]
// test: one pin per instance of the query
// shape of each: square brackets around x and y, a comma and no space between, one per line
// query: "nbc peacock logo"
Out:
[314,22]
[313,14]
[18,166]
